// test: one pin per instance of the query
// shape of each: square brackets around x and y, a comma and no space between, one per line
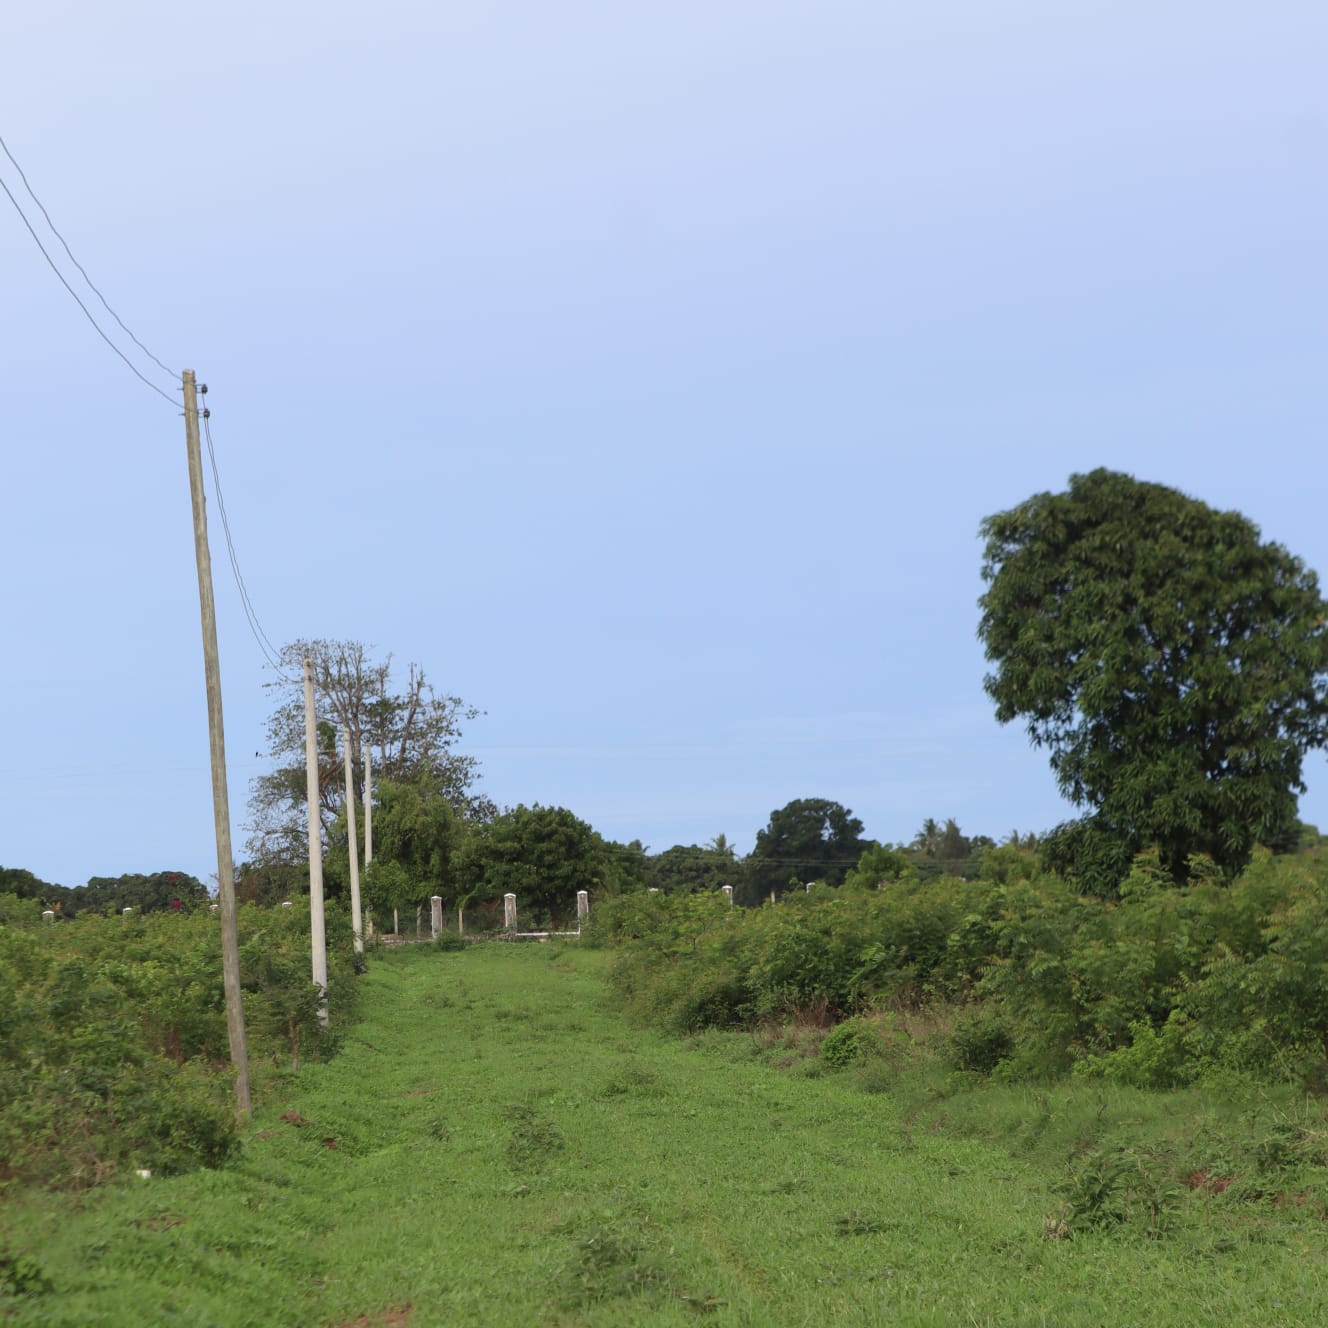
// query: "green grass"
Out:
[495,1146]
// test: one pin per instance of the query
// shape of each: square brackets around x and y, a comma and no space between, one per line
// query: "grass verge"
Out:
[494,1146]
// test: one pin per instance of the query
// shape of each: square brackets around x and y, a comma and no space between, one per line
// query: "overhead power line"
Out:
[87,313]
[270,653]
[55,231]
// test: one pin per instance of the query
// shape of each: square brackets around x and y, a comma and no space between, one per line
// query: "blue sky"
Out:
[643,371]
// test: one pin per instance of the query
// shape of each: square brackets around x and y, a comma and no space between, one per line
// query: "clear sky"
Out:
[642,370]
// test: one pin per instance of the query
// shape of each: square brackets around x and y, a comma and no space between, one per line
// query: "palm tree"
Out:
[928,839]
[720,844]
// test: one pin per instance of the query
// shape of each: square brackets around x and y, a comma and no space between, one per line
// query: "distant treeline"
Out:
[146,893]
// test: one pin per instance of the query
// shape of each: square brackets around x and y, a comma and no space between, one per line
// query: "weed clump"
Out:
[21,1276]
[1107,1188]
[855,1223]
[533,1140]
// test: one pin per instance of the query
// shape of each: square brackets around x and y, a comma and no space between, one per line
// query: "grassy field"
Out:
[494,1146]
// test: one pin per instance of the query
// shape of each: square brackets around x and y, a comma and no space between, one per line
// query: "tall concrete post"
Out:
[356,919]
[317,921]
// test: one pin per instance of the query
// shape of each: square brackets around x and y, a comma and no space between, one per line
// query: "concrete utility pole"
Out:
[317,924]
[368,821]
[230,947]
[368,811]
[356,921]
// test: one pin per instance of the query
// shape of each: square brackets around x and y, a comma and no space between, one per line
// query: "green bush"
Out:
[850,1043]
[980,1042]
[1154,1058]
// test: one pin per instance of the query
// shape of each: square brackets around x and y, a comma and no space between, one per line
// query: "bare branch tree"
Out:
[410,734]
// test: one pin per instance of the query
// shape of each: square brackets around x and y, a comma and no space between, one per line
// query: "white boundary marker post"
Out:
[436,914]
[509,912]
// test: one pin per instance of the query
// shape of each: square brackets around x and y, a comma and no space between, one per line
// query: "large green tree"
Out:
[415,828]
[1172,663]
[543,855]
[410,731]
[687,868]
[809,839]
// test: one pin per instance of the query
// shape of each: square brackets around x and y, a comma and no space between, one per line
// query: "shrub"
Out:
[980,1042]
[1159,985]
[115,1051]
[1154,1058]
[850,1043]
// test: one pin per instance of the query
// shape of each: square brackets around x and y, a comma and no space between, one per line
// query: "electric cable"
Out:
[86,312]
[270,653]
[56,232]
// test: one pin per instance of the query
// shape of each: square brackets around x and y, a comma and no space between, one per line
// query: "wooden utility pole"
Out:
[317,924]
[230,946]
[356,921]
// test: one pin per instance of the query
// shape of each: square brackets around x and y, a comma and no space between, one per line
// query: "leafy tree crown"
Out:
[1172,664]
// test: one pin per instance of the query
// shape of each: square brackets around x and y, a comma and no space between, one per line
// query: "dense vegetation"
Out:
[114,1053]
[1159,987]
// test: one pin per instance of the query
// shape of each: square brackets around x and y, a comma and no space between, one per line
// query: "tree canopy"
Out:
[415,829]
[147,892]
[1171,662]
[411,735]
[22,883]
[809,839]
[543,855]
[686,868]
[946,850]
